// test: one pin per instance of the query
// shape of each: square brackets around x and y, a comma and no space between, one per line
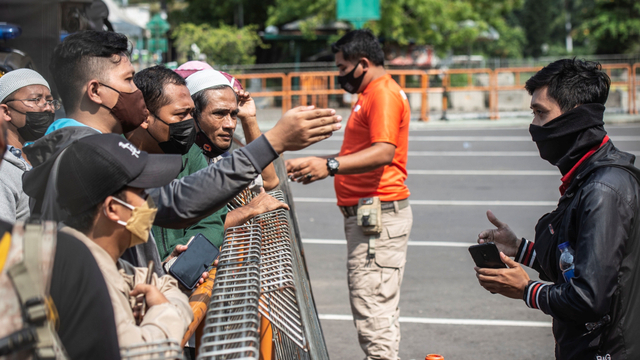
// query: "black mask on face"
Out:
[209,148]
[182,135]
[564,140]
[349,82]
[36,124]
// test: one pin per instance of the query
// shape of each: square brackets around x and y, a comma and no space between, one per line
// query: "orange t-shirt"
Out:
[382,114]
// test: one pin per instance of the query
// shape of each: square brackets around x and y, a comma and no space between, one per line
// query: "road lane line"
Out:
[411,243]
[318,152]
[484,138]
[444,202]
[438,321]
[487,172]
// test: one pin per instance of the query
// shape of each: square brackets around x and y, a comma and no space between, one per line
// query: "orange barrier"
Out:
[628,84]
[314,88]
[634,86]
[517,85]
[264,93]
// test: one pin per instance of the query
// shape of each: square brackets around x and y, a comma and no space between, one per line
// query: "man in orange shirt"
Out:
[371,163]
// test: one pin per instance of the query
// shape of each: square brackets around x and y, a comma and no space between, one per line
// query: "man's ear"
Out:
[94,90]
[109,210]
[5,112]
[145,124]
[365,64]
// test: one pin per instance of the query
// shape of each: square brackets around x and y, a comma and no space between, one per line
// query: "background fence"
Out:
[488,93]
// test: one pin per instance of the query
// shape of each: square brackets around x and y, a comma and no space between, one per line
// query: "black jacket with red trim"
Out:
[597,313]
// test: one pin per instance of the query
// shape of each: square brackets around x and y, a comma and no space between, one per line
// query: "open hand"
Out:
[301,127]
[504,238]
[509,282]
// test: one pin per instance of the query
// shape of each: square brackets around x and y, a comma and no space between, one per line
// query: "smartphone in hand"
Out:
[487,256]
[198,258]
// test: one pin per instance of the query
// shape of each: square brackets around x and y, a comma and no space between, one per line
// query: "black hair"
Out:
[84,220]
[152,82]
[201,99]
[572,82]
[78,59]
[357,44]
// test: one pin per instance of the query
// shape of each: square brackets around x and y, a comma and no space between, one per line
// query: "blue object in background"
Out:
[9,31]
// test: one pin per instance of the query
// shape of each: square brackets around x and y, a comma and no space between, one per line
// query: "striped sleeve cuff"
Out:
[526,255]
[532,293]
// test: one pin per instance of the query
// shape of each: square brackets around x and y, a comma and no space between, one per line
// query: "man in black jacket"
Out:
[595,309]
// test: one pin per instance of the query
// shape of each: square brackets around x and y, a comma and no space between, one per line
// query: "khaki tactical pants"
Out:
[374,284]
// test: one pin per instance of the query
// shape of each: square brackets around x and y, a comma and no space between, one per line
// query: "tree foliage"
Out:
[613,26]
[444,24]
[222,45]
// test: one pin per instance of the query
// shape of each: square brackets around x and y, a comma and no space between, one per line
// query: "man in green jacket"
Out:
[170,128]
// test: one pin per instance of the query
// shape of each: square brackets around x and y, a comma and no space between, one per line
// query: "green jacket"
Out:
[212,227]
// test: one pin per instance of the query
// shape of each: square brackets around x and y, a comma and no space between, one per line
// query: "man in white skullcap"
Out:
[27,107]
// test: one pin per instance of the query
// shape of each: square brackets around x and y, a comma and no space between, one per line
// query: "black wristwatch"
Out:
[332,166]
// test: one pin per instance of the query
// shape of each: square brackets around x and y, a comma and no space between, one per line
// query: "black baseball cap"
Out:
[98,166]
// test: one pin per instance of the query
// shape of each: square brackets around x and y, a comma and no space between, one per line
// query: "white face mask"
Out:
[140,222]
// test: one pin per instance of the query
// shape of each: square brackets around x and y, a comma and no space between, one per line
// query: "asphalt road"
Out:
[455,175]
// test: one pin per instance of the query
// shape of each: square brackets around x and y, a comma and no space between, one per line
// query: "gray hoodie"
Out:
[14,203]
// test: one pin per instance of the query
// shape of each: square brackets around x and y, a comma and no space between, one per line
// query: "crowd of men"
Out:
[122,174]
[141,163]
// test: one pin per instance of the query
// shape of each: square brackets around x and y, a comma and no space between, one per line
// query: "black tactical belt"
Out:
[386,206]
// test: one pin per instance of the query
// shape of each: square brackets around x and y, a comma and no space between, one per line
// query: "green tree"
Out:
[613,26]
[223,45]
[444,24]
[253,12]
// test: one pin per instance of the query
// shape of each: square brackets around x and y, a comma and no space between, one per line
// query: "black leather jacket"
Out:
[597,313]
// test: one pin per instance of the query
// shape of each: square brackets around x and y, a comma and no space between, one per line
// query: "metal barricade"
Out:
[262,271]
[232,325]
[157,350]
[278,299]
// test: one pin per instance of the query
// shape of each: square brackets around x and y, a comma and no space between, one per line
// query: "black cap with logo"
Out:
[98,166]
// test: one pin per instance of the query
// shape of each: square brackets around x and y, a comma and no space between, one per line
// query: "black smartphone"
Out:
[487,256]
[198,258]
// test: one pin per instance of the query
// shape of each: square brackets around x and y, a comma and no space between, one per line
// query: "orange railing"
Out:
[314,88]
[628,83]
[634,87]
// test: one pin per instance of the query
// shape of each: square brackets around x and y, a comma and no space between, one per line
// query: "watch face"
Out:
[333,164]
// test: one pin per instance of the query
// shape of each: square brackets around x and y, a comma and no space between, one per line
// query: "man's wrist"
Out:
[247,119]
[274,141]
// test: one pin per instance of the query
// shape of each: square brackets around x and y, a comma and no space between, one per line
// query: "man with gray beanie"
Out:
[27,107]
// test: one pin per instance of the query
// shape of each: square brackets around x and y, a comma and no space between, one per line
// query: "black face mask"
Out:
[209,148]
[564,140]
[182,135]
[36,124]
[350,83]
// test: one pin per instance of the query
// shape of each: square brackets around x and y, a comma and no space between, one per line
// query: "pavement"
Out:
[457,170]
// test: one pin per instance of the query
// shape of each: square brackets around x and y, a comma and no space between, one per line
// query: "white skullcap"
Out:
[206,79]
[17,79]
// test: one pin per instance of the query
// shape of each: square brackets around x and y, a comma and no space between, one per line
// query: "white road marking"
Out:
[445,202]
[319,152]
[411,243]
[485,138]
[418,320]
[487,172]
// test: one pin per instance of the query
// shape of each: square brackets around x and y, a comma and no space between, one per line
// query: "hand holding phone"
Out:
[487,256]
[188,267]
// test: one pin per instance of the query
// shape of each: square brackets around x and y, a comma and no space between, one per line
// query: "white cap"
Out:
[17,79]
[206,79]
